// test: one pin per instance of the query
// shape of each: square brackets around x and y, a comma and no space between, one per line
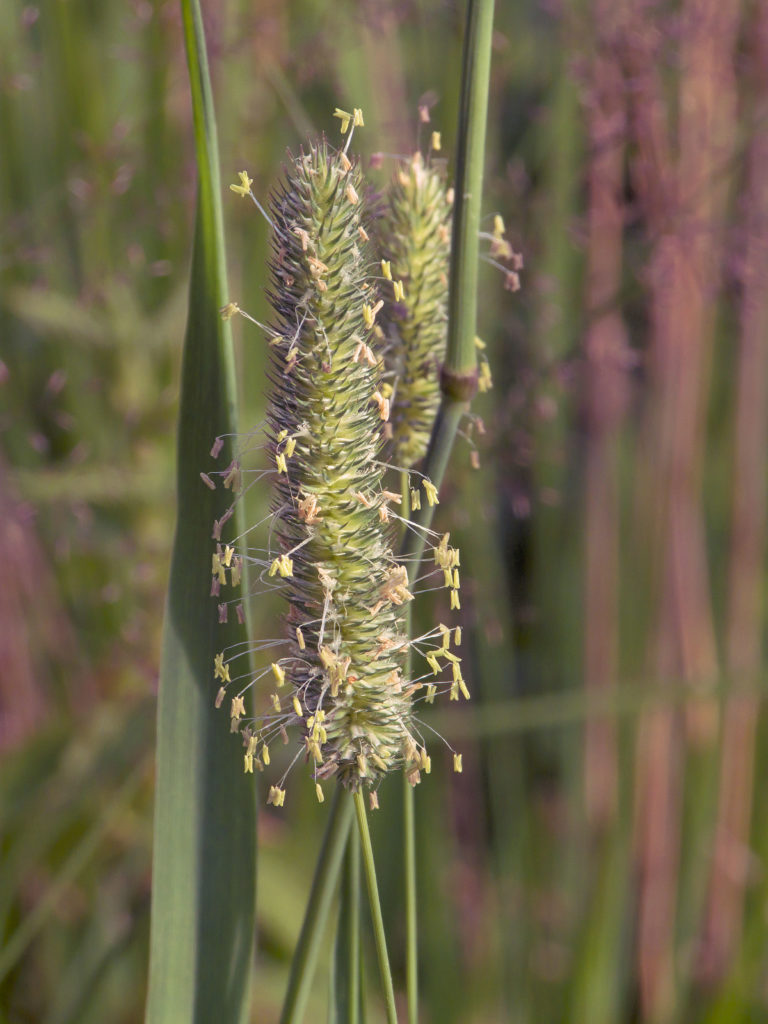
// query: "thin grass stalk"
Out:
[459,376]
[318,906]
[347,959]
[204,858]
[373,896]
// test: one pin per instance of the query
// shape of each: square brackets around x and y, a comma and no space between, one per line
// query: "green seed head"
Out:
[325,435]
[414,235]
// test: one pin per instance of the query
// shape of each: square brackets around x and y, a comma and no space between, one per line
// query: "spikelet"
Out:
[414,236]
[345,586]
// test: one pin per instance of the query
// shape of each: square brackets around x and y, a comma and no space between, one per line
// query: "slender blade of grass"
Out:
[204,862]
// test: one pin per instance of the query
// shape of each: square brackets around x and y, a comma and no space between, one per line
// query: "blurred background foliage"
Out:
[602,857]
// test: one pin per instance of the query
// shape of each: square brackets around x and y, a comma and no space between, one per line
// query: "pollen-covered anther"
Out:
[309,510]
[457,766]
[238,708]
[395,587]
[279,673]
[297,707]
[383,514]
[399,291]
[431,492]
[303,235]
[316,267]
[300,639]
[369,313]
[362,351]
[363,499]
[351,194]
[276,796]
[244,188]
[282,465]
[386,269]
[346,163]
[220,670]
[319,793]
[455,602]
[233,477]
[382,403]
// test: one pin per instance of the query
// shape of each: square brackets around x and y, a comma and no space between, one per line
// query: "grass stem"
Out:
[318,906]
[375,903]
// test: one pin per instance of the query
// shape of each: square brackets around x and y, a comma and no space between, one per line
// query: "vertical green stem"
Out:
[411,920]
[318,906]
[470,161]
[347,966]
[373,897]
[459,376]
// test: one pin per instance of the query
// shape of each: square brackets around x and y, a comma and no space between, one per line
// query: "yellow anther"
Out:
[300,638]
[358,118]
[448,575]
[319,793]
[431,492]
[436,142]
[231,309]
[456,579]
[367,315]
[265,754]
[463,688]
[276,703]
[431,691]
[433,663]
[455,602]
[219,666]
[282,466]
[346,163]
[227,556]
[248,758]
[297,707]
[238,707]
[290,447]
[351,195]
[415,501]
[457,763]
[244,188]
[446,635]
[454,691]
[282,436]
[386,269]
[232,479]
[399,291]
[480,344]
[285,566]
[498,226]
[274,567]
[345,117]
[457,637]
[279,673]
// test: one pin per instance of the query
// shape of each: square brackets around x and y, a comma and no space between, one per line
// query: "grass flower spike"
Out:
[415,241]
[345,587]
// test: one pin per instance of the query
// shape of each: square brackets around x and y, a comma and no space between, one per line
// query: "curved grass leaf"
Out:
[204,864]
